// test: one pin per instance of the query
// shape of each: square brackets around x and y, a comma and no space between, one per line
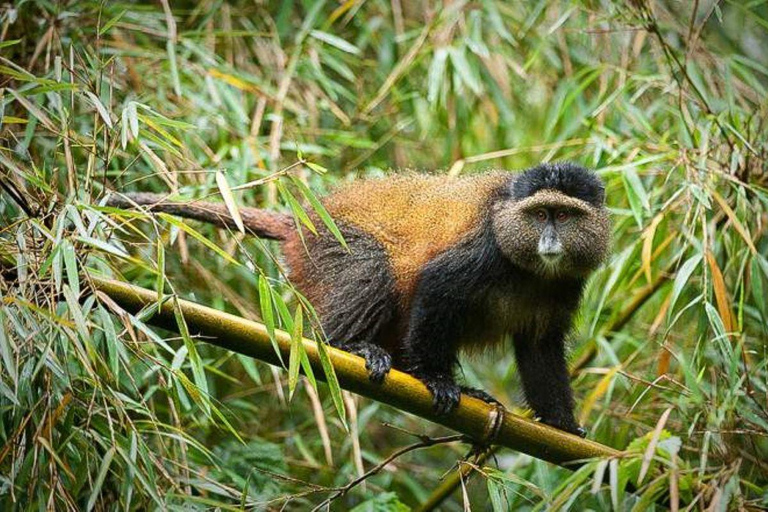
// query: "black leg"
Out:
[431,357]
[544,373]
[429,346]
[449,295]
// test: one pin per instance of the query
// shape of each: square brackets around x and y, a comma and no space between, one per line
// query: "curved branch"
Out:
[472,417]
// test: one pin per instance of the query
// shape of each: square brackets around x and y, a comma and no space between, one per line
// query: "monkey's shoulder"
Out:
[415,217]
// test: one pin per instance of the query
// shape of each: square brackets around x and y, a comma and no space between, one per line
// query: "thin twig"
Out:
[425,442]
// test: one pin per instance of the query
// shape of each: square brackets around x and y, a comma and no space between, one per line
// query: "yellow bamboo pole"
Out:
[472,417]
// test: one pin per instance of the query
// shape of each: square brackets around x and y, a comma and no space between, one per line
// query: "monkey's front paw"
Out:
[378,366]
[378,362]
[445,394]
[480,394]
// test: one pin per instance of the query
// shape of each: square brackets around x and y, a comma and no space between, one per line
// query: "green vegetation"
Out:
[99,411]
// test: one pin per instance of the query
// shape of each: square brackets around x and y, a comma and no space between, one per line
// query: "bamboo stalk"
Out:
[472,417]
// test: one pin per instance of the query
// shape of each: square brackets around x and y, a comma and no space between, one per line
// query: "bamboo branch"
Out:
[472,417]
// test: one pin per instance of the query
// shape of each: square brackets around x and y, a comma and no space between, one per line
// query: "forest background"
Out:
[666,99]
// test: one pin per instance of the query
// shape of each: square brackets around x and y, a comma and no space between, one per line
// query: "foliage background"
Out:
[666,99]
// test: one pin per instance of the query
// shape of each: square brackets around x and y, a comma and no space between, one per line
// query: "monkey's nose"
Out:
[550,249]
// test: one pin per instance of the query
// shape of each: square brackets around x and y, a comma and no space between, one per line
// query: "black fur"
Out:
[570,179]
[451,303]
[449,291]
[358,298]
[544,373]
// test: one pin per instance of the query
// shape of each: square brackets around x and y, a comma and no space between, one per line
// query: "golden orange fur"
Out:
[414,216]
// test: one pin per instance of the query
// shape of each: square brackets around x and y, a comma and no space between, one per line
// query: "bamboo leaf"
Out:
[111,23]
[596,393]
[647,251]
[100,108]
[651,450]
[7,349]
[267,313]
[102,474]
[70,264]
[682,277]
[721,293]
[333,383]
[737,225]
[294,360]
[170,47]
[318,207]
[466,72]
[229,200]
[296,209]
[36,112]
[199,237]
[335,41]
[198,371]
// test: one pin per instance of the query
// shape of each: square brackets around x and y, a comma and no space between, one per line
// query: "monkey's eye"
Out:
[541,215]
[562,215]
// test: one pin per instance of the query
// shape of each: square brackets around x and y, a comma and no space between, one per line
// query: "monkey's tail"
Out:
[258,222]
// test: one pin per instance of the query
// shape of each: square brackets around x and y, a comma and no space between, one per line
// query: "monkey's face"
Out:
[552,234]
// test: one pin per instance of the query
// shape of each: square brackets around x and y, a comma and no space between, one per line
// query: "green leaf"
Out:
[11,42]
[170,47]
[70,264]
[498,502]
[636,194]
[197,236]
[436,75]
[268,314]
[333,382]
[335,41]
[100,108]
[103,468]
[318,207]
[682,277]
[296,209]
[229,200]
[160,276]
[468,75]
[319,169]
[198,371]
[111,23]
[7,349]
[296,352]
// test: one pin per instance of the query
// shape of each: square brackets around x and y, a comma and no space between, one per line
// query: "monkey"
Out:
[437,265]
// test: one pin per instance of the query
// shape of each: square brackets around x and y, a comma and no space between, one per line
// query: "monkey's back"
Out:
[414,217]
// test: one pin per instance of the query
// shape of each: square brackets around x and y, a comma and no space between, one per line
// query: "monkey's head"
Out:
[551,220]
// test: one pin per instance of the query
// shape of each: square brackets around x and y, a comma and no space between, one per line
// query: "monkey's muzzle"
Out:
[550,249]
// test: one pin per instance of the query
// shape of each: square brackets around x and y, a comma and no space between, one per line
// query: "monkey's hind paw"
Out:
[445,394]
[571,427]
[480,394]
[378,362]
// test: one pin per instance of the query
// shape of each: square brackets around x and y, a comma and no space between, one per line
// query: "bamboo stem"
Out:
[472,417]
